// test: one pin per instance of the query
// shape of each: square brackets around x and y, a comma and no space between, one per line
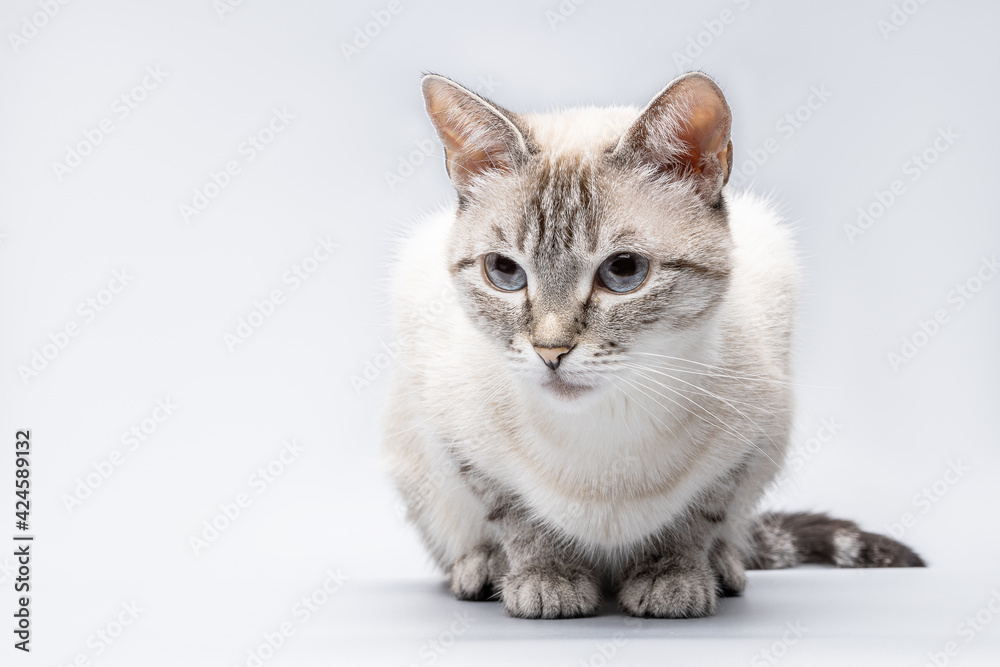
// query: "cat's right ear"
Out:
[684,134]
[479,137]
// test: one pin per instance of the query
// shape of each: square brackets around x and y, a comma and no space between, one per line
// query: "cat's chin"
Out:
[567,392]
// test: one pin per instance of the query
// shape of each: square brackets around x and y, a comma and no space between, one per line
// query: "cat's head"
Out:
[588,237]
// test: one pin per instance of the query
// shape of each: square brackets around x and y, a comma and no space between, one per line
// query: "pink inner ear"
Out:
[705,131]
[468,157]
[474,162]
[685,133]
[473,141]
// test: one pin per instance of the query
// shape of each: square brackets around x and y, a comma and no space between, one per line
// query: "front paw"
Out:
[669,588]
[730,575]
[550,591]
[475,572]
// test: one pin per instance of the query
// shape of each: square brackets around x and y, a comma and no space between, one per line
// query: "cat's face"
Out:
[577,247]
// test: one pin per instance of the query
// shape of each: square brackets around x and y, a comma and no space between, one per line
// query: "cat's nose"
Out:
[551,355]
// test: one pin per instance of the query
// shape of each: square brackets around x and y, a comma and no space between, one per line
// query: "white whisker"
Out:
[721,423]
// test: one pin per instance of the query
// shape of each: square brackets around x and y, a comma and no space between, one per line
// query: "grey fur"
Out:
[786,540]
[477,573]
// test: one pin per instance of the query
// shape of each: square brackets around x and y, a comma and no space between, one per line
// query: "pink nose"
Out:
[551,355]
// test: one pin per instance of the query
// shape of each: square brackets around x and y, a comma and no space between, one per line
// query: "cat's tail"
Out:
[785,540]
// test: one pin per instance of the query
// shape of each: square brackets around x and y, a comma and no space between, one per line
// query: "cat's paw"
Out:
[730,574]
[669,588]
[474,574]
[550,591]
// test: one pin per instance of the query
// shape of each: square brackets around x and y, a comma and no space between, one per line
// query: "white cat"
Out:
[607,394]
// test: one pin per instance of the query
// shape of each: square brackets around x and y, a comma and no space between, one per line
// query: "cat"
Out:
[593,387]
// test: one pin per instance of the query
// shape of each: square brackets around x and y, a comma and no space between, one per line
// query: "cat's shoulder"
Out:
[767,271]
[759,229]
[418,271]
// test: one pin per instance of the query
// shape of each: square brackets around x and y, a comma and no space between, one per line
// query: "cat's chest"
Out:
[604,481]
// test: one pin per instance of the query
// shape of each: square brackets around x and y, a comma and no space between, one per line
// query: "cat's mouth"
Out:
[565,390]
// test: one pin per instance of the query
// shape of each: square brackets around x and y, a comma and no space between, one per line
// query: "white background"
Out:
[357,118]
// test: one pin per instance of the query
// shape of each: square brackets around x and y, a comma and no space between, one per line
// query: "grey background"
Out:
[356,119]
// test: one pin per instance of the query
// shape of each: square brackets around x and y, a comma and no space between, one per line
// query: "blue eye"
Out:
[505,273]
[623,272]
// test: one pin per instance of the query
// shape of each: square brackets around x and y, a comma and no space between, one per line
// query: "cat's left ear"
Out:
[479,137]
[684,133]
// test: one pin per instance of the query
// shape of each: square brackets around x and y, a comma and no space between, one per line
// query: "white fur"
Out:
[846,547]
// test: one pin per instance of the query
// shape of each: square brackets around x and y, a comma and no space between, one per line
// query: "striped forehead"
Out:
[561,210]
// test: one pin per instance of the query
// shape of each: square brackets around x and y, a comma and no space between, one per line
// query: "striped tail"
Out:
[785,540]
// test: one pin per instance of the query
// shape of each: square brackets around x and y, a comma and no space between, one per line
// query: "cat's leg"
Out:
[682,577]
[681,571]
[545,579]
[449,516]
[476,574]
[732,509]
[673,579]
[727,565]
[452,521]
